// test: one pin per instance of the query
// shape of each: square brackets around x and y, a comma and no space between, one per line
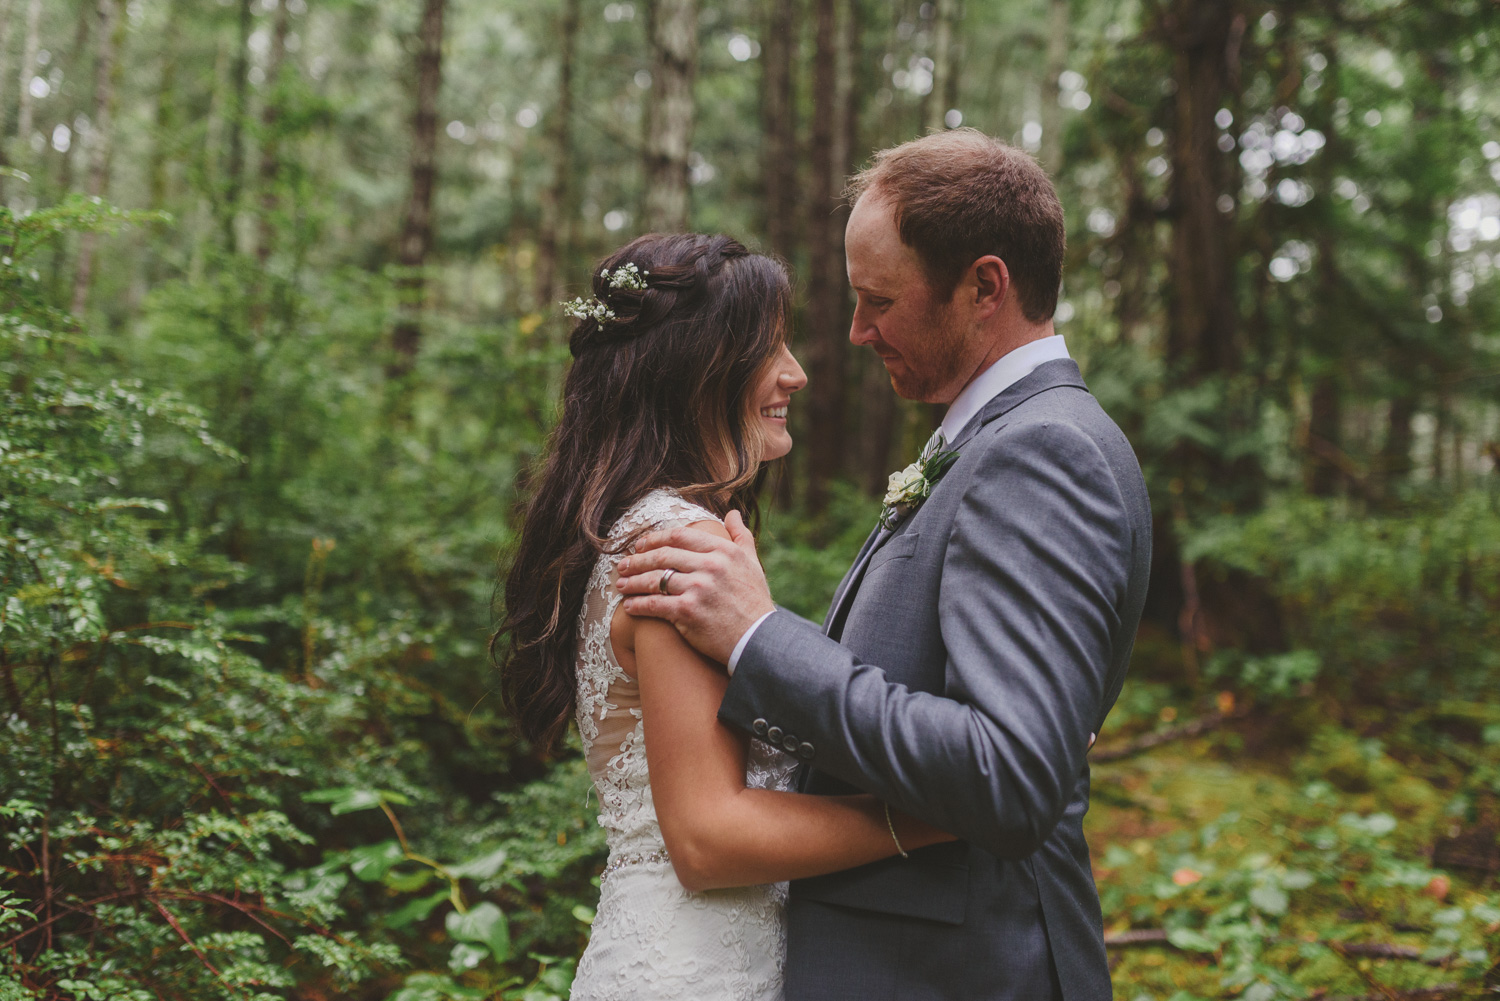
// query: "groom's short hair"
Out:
[960,195]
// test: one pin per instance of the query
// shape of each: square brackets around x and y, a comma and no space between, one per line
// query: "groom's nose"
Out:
[862,332]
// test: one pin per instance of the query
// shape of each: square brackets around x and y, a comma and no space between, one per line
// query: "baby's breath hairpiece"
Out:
[626,276]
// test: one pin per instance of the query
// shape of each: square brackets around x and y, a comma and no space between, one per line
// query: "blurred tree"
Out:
[416,234]
[672,27]
[558,208]
[111,34]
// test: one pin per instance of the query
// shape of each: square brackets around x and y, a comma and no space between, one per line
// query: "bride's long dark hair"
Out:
[658,396]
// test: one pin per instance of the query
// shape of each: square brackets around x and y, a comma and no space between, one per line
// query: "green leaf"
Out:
[584,913]
[1269,898]
[415,910]
[371,862]
[466,956]
[1190,940]
[408,882]
[485,923]
[481,866]
[349,799]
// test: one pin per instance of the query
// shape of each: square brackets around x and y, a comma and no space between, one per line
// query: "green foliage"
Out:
[1400,605]
[142,679]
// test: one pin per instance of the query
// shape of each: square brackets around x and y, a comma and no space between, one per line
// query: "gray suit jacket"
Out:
[969,654]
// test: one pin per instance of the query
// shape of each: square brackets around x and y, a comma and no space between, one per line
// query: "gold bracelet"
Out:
[892,827]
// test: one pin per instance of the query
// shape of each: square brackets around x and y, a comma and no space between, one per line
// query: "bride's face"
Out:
[781,379]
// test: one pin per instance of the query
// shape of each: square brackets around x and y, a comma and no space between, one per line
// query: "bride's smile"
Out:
[773,394]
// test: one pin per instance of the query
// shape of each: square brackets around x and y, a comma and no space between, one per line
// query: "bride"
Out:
[675,401]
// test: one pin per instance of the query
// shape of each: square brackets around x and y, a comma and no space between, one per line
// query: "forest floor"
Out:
[1224,875]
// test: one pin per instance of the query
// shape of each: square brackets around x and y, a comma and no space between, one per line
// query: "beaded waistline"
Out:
[634,858]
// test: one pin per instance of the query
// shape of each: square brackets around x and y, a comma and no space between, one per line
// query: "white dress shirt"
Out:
[1004,372]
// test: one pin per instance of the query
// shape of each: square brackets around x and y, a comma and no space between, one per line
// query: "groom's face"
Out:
[917,333]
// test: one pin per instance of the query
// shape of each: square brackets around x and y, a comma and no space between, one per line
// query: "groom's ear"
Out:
[991,283]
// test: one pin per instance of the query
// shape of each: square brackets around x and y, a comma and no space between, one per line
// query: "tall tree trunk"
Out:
[416,235]
[1057,61]
[1202,326]
[826,279]
[673,29]
[234,171]
[7,25]
[111,35]
[935,102]
[270,117]
[166,111]
[29,49]
[557,207]
[7,29]
[779,166]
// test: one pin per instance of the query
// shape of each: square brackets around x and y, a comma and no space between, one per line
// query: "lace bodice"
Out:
[609,700]
[651,938]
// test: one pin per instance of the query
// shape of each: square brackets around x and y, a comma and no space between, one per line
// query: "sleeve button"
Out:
[804,751]
[759,727]
[775,734]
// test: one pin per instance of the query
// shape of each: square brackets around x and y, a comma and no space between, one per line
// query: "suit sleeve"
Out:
[1034,571]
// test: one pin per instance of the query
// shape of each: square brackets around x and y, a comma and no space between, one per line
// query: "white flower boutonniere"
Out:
[908,489]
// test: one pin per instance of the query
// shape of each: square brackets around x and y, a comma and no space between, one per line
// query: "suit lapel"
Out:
[834,625]
[1048,375]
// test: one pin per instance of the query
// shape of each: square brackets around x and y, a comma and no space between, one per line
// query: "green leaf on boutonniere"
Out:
[908,489]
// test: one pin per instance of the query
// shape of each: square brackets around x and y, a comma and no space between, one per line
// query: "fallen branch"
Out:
[1361,950]
[1382,950]
[1146,742]
[1439,993]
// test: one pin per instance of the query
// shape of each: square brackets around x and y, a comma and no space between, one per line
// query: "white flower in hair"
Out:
[590,308]
[626,275]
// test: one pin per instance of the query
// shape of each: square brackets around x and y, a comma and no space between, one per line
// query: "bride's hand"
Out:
[717,589]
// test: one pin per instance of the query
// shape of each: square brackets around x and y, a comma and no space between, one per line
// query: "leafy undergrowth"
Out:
[1302,874]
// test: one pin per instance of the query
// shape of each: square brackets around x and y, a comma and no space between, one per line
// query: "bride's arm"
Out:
[719,833]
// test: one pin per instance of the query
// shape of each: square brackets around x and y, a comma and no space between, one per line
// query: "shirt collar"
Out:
[1005,372]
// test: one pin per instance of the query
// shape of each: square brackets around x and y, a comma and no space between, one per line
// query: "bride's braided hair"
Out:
[665,287]
[659,395]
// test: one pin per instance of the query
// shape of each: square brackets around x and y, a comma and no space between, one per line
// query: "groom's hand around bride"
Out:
[718,589]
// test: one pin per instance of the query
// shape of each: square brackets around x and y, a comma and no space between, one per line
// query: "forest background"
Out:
[279,345]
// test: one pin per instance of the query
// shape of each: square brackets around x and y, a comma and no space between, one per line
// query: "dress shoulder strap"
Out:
[660,508]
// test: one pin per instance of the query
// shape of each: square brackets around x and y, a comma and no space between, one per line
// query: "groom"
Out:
[981,637]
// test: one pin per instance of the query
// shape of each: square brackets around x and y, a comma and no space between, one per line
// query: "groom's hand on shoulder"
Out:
[717,589]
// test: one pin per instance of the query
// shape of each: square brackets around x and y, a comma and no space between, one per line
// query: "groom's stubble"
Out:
[936,371]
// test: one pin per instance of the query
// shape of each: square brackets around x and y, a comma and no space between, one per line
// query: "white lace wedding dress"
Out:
[652,940]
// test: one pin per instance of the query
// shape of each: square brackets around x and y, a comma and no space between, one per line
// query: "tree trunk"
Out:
[557,208]
[1202,326]
[779,166]
[416,236]
[673,29]
[1057,61]
[166,111]
[29,50]
[7,29]
[234,171]
[826,280]
[270,149]
[935,103]
[111,35]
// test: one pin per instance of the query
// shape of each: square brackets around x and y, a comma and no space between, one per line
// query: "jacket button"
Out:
[804,751]
[775,734]
[790,744]
[759,726]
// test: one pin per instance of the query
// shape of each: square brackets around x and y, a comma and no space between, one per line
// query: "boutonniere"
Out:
[908,489]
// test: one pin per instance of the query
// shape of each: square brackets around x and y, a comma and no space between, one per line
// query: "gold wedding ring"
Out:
[661,585]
